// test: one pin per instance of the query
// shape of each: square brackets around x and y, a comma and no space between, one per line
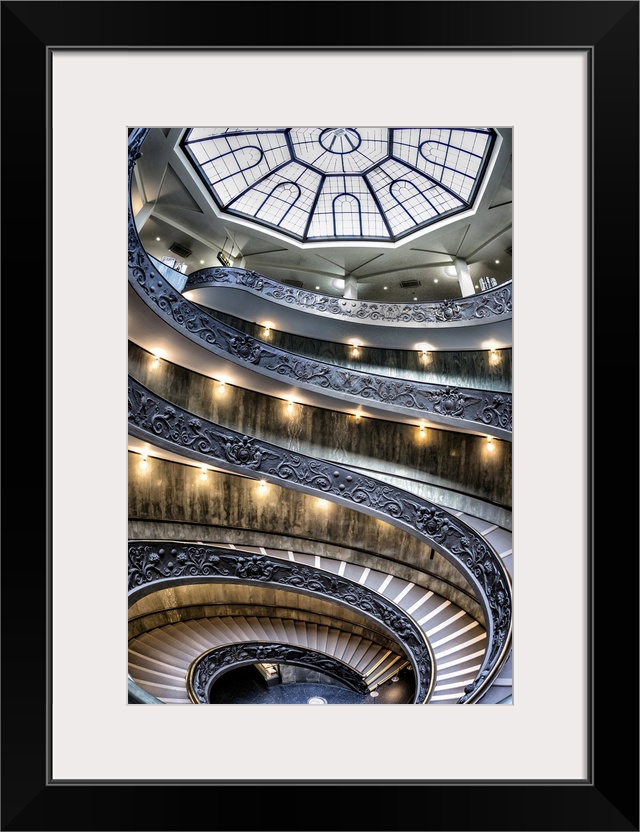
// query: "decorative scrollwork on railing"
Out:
[468,407]
[204,671]
[166,425]
[151,562]
[493,303]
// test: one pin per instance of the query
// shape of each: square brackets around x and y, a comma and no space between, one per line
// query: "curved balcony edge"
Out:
[489,305]
[204,671]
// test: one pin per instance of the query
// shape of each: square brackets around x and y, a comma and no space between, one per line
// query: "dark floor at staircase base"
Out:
[243,687]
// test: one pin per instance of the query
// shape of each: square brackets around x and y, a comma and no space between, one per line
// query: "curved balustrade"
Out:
[153,563]
[206,669]
[493,303]
[139,696]
[477,410]
[158,421]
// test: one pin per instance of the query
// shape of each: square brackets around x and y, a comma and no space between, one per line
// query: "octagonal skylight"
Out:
[341,183]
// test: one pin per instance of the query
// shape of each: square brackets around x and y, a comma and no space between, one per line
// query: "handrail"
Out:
[139,696]
[472,409]
[494,303]
[210,665]
[162,423]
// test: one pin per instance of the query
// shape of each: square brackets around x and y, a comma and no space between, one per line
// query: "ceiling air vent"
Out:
[297,283]
[410,284]
[181,251]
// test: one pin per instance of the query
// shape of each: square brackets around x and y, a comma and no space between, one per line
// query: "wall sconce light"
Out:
[322,502]
[422,432]
[222,385]
[203,472]
[493,356]
[425,354]
[357,416]
[157,355]
[290,406]
[262,487]
[144,463]
[355,347]
[490,445]
[268,326]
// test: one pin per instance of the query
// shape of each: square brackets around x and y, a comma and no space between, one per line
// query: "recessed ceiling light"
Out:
[435,279]
[158,239]
[317,288]
[202,262]
[497,261]
[415,298]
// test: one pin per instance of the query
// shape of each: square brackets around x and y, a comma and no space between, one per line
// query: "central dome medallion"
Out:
[340,149]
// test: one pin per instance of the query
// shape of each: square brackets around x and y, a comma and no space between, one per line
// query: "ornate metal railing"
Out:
[152,563]
[470,408]
[208,667]
[158,421]
[492,304]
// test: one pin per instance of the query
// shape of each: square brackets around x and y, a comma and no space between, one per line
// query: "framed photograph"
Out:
[563,77]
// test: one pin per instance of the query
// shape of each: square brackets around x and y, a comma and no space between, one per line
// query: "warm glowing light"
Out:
[422,431]
[355,347]
[494,357]
[262,486]
[425,354]
[157,355]
[203,472]
[222,385]
[357,415]
[322,502]
[144,463]
[268,326]
[490,445]
[290,405]
[497,261]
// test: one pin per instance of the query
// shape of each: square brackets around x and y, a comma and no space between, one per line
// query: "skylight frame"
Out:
[457,145]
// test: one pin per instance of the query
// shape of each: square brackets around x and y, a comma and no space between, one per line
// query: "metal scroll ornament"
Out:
[210,665]
[493,303]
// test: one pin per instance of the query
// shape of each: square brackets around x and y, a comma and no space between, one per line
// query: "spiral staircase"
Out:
[459,604]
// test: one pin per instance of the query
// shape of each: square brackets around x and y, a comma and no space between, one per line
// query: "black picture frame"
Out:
[608,799]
